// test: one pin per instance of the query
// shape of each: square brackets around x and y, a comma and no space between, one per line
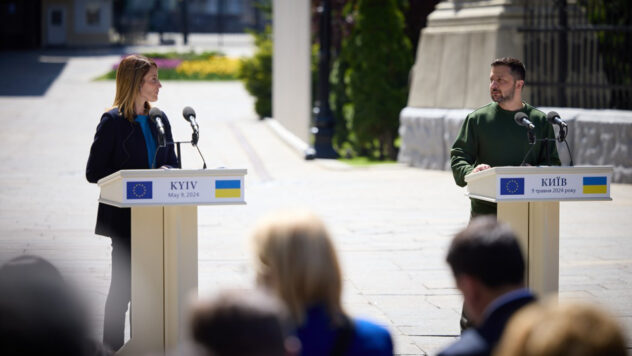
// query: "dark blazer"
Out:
[119,144]
[317,336]
[481,341]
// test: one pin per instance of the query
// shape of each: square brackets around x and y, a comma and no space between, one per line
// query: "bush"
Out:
[256,73]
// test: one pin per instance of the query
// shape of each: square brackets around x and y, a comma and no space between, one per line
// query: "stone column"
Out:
[291,74]
[461,40]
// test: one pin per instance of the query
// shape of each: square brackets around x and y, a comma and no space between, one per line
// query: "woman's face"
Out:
[150,87]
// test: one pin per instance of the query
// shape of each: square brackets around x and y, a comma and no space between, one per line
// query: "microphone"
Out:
[189,114]
[554,118]
[155,116]
[523,120]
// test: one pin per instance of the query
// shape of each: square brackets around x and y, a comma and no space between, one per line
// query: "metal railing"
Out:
[578,53]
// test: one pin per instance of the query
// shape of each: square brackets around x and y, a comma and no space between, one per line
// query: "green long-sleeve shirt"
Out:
[490,135]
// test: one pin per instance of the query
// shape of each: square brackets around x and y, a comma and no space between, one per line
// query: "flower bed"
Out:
[189,66]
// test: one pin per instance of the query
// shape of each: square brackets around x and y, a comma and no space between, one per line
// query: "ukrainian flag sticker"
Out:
[595,185]
[227,188]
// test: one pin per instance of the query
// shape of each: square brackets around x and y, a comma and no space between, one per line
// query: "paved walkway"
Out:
[391,223]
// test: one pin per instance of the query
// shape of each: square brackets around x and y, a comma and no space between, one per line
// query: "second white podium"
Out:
[529,201]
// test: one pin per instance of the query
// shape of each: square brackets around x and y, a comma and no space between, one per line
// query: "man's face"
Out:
[502,85]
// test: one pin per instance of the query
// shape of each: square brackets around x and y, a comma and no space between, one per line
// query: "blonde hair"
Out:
[297,260]
[129,78]
[572,329]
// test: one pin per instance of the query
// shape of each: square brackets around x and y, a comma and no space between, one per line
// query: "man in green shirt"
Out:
[489,136]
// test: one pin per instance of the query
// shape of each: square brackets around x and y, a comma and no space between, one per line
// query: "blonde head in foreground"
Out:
[552,329]
[297,261]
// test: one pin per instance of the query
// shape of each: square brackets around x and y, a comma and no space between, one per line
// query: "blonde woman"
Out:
[297,261]
[552,329]
[125,139]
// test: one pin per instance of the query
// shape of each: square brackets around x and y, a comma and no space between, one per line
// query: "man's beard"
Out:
[504,98]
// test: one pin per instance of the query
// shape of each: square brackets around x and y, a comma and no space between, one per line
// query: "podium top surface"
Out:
[550,183]
[160,187]
[171,173]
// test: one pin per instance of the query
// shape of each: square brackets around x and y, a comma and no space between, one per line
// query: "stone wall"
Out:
[596,137]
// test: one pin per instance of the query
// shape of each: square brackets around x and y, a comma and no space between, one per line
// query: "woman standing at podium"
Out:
[126,139]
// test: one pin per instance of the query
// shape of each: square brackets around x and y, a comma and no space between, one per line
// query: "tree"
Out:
[379,57]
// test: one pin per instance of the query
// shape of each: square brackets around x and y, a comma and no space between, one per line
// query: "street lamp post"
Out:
[324,126]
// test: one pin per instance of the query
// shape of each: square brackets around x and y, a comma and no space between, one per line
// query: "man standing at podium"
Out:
[126,139]
[490,137]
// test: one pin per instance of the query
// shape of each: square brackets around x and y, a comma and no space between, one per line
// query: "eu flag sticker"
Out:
[139,190]
[511,186]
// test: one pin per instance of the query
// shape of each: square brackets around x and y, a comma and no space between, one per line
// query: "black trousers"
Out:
[120,293]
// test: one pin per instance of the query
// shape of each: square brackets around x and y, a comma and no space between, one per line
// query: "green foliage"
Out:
[364,161]
[256,73]
[379,58]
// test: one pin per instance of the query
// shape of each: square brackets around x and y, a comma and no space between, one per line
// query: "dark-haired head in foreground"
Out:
[240,323]
[40,314]
[488,267]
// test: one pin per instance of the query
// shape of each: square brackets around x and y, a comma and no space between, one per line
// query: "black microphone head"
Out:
[519,117]
[154,113]
[550,117]
[188,111]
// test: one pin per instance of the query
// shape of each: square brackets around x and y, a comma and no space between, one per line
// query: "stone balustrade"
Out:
[596,137]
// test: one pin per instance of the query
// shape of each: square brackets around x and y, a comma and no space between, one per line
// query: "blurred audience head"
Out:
[39,313]
[487,262]
[552,329]
[241,323]
[296,259]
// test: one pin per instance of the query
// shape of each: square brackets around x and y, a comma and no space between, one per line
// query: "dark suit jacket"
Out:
[481,341]
[119,144]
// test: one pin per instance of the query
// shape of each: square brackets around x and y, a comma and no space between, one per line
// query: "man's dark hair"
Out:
[488,251]
[241,323]
[516,67]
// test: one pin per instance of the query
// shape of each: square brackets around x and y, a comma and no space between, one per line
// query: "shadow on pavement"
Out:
[31,73]
[26,74]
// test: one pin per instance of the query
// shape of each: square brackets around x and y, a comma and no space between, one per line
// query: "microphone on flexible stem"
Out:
[189,115]
[554,119]
[523,120]
[155,116]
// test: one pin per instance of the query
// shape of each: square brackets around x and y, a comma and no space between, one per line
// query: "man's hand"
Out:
[481,167]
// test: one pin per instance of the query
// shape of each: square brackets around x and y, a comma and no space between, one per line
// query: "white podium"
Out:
[528,200]
[164,244]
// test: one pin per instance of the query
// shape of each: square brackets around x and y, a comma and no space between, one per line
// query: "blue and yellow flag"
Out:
[595,185]
[227,188]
